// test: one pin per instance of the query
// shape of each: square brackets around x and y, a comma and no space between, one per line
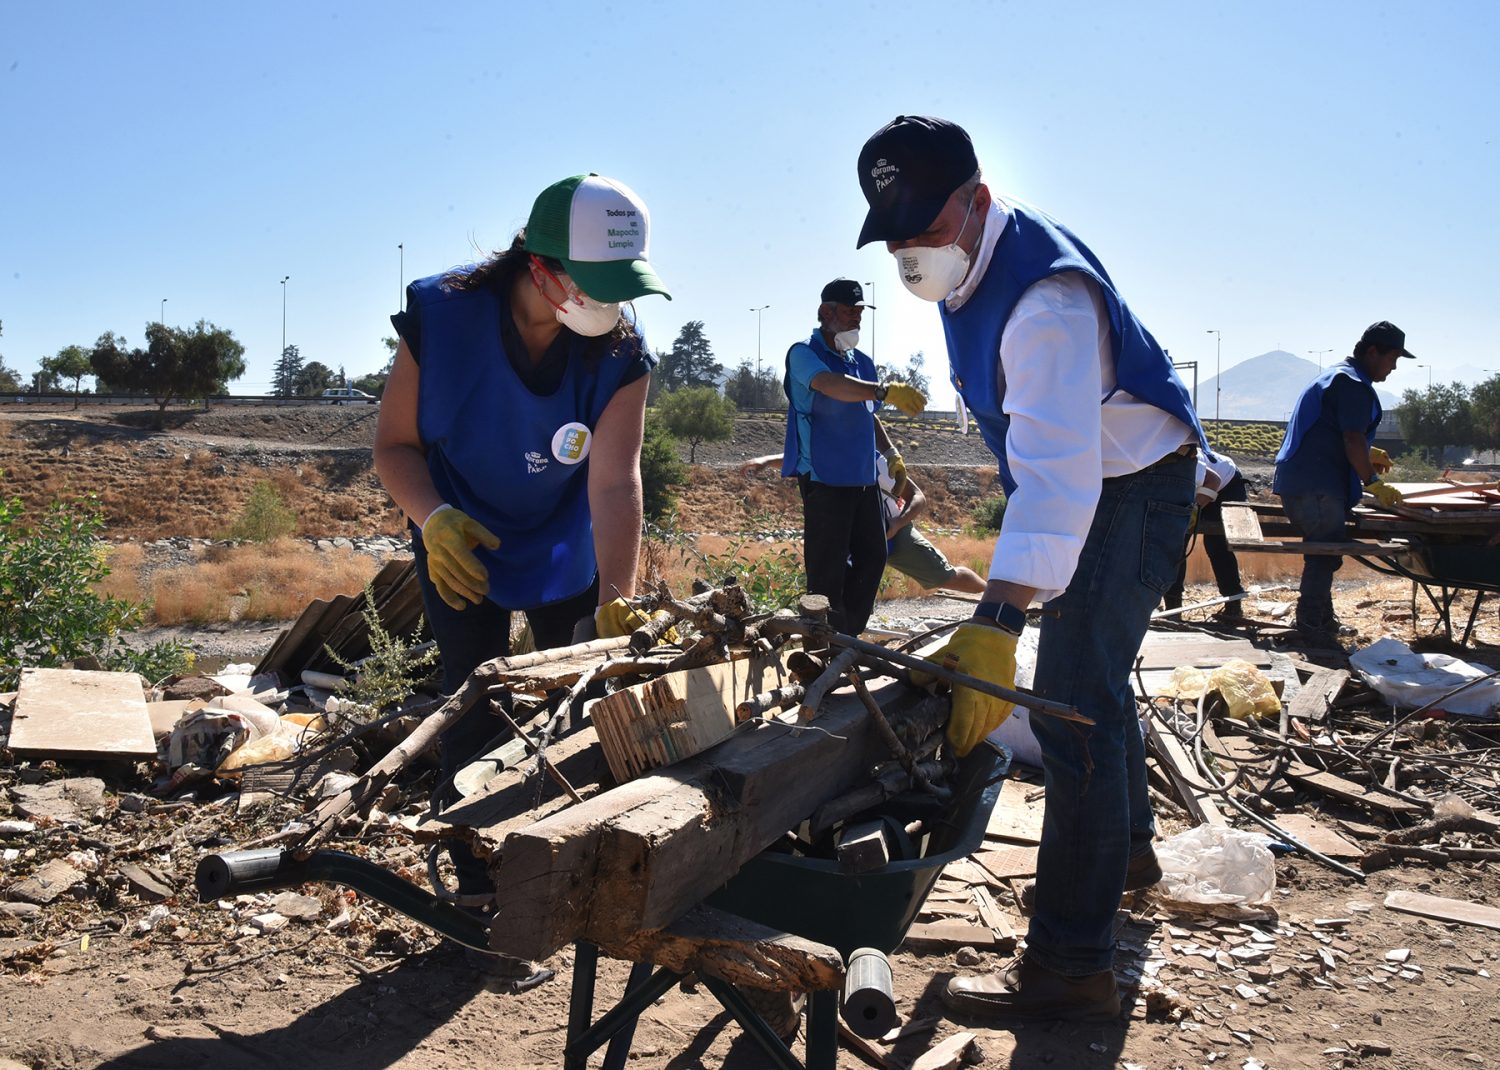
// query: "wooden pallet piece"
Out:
[1347,790]
[1435,906]
[1313,700]
[1178,765]
[1014,820]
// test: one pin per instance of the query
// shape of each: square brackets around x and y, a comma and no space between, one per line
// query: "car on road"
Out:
[347,395]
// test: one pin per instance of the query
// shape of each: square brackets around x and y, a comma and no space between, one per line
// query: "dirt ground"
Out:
[105,977]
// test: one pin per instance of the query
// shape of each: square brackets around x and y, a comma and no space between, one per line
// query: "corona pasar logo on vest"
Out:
[571,442]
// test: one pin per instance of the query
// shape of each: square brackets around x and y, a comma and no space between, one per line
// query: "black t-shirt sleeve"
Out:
[1351,403]
[642,360]
[408,326]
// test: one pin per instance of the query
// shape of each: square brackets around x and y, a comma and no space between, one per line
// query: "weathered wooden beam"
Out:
[636,857]
[726,946]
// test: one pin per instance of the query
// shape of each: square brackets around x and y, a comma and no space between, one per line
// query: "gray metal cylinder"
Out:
[869,1003]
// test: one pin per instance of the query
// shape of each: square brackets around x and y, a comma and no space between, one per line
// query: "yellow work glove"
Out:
[1380,461]
[615,618]
[450,536]
[990,654]
[1383,493]
[897,468]
[907,398]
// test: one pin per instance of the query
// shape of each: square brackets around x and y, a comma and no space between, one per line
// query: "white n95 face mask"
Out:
[846,340]
[584,316]
[932,273]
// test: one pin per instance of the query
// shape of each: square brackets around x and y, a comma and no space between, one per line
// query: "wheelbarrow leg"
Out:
[822,1030]
[619,1046]
[753,1024]
[618,1024]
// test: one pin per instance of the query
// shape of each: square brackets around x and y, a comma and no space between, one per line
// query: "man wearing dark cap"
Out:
[1328,460]
[1096,440]
[832,435]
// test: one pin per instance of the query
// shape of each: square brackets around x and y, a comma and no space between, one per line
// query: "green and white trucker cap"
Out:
[601,231]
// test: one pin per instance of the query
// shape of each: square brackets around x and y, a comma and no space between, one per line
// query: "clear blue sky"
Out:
[1285,173]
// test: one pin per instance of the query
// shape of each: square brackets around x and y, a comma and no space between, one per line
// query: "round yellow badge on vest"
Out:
[571,443]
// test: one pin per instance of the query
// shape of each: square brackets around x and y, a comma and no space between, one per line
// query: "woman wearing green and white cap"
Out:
[510,434]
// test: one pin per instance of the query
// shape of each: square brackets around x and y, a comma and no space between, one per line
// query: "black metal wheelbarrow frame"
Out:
[807,897]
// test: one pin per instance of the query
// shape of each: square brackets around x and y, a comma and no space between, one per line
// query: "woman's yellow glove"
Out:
[905,397]
[897,469]
[990,654]
[1380,461]
[1383,493]
[615,618]
[450,536]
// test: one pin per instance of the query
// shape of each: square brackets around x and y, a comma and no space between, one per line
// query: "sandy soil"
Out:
[84,985]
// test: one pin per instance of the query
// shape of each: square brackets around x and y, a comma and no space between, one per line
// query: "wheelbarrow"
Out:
[808,897]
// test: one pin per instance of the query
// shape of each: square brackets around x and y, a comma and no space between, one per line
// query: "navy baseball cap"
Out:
[1384,336]
[845,292]
[907,171]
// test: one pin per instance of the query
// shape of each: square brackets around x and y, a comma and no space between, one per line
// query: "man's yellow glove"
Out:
[990,654]
[1383,493]
[905,397]
[450,536]
[897,468]
[615,618]
[1380,461]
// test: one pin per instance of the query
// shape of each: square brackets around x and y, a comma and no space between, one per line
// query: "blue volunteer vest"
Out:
[1331,458]
[842,446]
[1034,247]
[513,461]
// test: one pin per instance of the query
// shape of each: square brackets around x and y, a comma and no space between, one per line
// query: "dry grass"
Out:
[123,580]
[271,582]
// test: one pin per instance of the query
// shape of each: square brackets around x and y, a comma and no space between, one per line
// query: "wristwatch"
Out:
[1373,480]
[1003,614]
[881,391]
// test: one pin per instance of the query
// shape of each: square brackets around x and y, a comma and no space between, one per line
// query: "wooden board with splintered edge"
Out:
[73,713]
[677,715]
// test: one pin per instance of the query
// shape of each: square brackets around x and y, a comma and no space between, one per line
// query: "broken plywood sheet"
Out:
[1005,863]
[1436,906]
[73,713]
[1169,650]
[1017,818]
[1319,837]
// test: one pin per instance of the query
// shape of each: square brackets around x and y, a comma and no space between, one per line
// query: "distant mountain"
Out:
[1263,388]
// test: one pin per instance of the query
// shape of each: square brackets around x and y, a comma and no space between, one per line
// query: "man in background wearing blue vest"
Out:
[832,434]
[1096,440]
[1329,458]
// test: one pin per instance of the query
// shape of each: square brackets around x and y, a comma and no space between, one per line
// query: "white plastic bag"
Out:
[1217,867]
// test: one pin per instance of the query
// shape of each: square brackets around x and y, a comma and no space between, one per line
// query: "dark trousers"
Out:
[1215,544]
[843,549]
[467,638]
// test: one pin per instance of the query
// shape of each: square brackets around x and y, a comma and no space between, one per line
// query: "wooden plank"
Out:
[1347,790]
[1179,767]
[74,713]
[1240,524]
[1312,701]
[1435,906]
[638,856]
[949,934]
[679,714]
[950,1054]
[1319,837]
[1014,820]
[991,914]
[1170,650]
[733,949]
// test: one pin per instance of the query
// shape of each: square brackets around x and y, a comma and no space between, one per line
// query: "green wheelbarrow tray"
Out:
[816,899]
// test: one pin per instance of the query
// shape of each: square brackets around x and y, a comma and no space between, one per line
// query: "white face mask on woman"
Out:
[846,340]
[932,273]
[578,312]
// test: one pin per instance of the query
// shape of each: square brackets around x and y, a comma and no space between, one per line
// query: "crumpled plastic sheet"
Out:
[1409,680]
[1218,866]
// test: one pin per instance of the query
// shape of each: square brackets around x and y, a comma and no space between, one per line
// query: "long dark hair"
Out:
[499,272]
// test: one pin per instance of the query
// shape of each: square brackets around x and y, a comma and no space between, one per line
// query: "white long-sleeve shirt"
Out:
[1069,426]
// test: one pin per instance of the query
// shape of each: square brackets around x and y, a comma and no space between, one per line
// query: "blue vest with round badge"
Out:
[843,432]
[1034,247]
[1324,459]
[506,456]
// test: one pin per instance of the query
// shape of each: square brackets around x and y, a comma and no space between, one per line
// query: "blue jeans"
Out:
[1321,518]
[1098,814]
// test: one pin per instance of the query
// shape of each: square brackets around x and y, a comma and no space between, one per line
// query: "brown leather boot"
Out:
[1028,992]
[1143,871]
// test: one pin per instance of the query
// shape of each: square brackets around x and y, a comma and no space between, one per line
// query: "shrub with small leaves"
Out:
[265,516]
[987,515]
[388,677]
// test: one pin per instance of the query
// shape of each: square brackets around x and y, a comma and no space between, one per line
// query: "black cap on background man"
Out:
[1384,336]
[845,292]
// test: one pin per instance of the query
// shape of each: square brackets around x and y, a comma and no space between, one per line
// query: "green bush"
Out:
[986,515]
[265,516]
[662,471]
[388,676]
[49,612]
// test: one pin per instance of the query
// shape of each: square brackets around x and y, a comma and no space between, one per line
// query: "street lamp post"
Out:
[162,319]
[757,312]
[1429,374]
[871,285]
[1218,386]
[283,314]
[401,277]
[1319,354]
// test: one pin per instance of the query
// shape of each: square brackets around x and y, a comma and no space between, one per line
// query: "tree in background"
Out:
[46,381]
[313,379]
[697,414]
[71,362]
[1484,405]
[690,361]
[176,363]
[374,382]
[284,379]
[1437,417]
[750,390]
[913,374]
[662,471]
[10,380]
